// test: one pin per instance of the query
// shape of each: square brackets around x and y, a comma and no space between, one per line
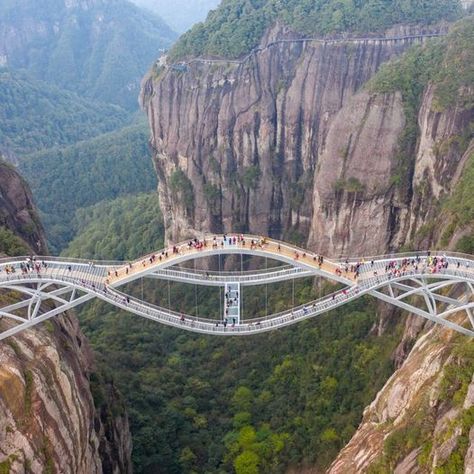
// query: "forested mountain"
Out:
[354,148]
[96,48]
[65,179]
[237,26]
[36,115]
[180,14]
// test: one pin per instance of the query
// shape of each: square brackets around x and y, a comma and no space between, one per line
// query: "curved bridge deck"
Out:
[396,279]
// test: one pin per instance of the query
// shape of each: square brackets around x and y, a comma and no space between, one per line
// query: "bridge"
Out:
[435,285]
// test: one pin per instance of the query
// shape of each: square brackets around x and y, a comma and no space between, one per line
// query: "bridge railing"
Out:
[176,315]
[257,325]
[278,268]
[62,260]
[402,255]
[244,276]
[324,41]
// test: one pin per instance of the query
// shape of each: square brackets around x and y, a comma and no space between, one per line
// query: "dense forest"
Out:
[100,50]
[237,26]
[36,115]
[65,179]
[203,404]
[125,227]
[73,151]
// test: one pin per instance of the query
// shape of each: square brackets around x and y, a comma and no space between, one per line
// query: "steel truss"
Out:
[418,295]
[39,301]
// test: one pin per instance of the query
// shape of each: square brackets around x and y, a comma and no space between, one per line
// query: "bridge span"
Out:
[39,288]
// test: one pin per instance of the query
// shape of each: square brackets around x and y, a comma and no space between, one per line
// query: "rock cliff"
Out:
[289,144]
[17,211]
[56,413]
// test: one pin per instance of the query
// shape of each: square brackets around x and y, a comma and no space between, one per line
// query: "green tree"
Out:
[247,463]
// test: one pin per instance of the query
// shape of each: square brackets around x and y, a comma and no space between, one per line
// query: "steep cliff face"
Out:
[50,420]
[363,202]
[56,414]
[246,147]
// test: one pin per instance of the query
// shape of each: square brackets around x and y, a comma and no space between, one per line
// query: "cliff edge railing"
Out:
[39,288]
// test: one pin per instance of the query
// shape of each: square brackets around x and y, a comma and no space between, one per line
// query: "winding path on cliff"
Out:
[44,287]
[182,65]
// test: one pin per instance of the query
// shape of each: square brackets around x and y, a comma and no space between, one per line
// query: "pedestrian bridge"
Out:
[435,285]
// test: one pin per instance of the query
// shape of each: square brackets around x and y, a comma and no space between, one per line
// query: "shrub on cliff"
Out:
[236,26]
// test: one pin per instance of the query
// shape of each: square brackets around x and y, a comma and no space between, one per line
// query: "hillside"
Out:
[96,48]
[36,115]
[237,26]
[66,179]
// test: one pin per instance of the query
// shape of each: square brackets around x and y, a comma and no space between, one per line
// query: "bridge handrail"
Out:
[232,273]
[250,276]
[272,321]
[176,314]
[402,255]
[355,40]
[64,260]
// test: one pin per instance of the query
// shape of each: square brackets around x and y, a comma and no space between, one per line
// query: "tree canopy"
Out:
[236,26]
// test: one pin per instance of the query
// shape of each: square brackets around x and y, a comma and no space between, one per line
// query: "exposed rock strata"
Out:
[17,211]
[258,143]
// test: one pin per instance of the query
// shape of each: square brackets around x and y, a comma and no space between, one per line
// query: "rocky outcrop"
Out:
[360,204]
[51,422]
[252,147]
[56,412]
[17,211]
[354,197]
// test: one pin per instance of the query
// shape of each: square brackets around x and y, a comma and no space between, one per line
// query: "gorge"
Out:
[357,144]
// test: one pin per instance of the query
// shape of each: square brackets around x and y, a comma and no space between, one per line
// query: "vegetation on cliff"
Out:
[237,26]
[434,428]
[447,65]
[11,244]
